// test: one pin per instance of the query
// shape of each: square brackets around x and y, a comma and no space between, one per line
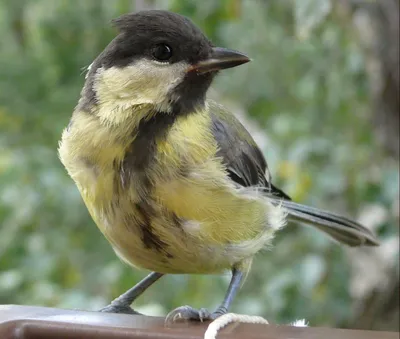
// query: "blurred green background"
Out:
[321,98]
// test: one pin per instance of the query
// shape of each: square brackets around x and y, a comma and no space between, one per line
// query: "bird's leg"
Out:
[234,285]
[189,313]
[123,302]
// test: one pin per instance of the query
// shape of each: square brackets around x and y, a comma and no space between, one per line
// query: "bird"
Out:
[172,179]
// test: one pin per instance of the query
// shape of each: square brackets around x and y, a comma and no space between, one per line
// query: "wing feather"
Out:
[240,154]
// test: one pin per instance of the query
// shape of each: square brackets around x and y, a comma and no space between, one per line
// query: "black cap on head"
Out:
[169,38]
[140,33]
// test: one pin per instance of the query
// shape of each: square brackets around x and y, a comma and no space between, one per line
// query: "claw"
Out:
[187,313]
[204,314]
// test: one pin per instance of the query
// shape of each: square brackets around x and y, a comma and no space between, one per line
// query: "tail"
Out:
[344,230]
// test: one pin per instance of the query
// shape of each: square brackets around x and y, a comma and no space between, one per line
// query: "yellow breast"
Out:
[196,220]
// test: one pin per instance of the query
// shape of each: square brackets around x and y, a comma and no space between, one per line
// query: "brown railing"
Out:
[27,322]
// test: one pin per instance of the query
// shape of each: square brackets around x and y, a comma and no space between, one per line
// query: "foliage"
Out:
[307,89]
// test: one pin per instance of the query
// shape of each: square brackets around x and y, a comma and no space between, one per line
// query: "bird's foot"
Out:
[118,308]
[189,313]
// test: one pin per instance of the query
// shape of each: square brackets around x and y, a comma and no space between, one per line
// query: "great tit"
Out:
[172,179]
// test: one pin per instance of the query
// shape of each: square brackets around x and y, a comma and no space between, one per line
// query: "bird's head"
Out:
[160,59]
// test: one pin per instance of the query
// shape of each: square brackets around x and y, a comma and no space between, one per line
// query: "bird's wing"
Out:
[247,167]
[240,154]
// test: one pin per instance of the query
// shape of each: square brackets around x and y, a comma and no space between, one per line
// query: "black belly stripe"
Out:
[138,158]
[149,238]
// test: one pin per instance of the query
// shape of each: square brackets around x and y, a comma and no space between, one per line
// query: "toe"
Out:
[187,313]
[204,314]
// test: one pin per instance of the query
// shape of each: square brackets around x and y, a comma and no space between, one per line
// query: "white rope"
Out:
[225,319]
[228,318]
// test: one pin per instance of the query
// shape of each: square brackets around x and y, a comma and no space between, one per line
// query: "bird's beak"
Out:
[220,58]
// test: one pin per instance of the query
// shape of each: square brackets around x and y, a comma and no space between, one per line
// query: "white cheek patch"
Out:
[144,82]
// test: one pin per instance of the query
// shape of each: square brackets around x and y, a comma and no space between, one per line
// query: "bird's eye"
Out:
[162,52]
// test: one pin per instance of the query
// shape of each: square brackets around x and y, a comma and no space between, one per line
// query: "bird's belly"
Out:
[163,244]
[167,247]
[214,231]
[165,251]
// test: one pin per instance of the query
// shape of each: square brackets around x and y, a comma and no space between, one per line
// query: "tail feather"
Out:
[338,227]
